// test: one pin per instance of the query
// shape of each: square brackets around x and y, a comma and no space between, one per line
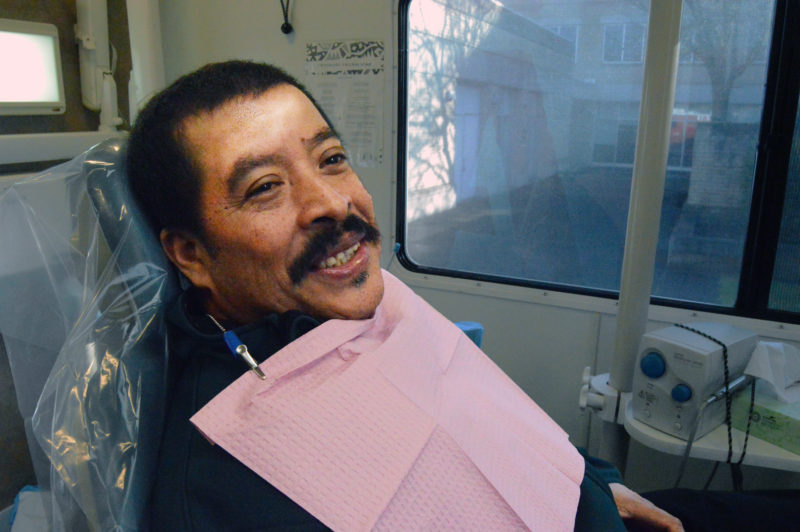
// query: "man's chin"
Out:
[357,302]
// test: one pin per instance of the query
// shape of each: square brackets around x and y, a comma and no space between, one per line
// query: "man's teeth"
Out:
[341,258]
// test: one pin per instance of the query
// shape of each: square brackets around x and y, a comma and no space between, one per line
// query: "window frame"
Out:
[772,166]
[782,89]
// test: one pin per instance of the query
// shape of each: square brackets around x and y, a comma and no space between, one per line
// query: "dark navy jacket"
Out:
[201,487]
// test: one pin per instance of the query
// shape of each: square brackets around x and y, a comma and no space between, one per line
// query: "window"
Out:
[623,43]
[518,160]
[688,45]
[615,127]
[681,137]
[502,134]
[569,32]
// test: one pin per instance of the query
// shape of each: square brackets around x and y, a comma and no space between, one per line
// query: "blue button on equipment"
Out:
[653,365]
[681,393]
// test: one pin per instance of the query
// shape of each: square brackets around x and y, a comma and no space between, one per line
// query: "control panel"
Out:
[678,369]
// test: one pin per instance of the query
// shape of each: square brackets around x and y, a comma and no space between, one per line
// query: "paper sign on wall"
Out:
[347,79]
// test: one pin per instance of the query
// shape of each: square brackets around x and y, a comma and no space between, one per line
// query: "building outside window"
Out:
[519,156]
[569,32]
[623,43]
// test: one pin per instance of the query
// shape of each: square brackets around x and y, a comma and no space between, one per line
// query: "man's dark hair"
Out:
[164,178]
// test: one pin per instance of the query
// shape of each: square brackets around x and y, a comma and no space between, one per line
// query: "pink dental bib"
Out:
[398,422]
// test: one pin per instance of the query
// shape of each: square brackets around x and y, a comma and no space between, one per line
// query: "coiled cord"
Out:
[736,470]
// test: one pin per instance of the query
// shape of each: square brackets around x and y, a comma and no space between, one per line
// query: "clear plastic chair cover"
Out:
[82,281]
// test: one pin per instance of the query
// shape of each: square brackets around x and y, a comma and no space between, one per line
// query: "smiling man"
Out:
[286,223]
[250,191]
[248,186]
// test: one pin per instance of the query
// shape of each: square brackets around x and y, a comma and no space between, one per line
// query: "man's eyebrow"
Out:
[321,136]
[244,165]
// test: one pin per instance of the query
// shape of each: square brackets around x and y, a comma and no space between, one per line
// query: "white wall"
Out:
[543,340]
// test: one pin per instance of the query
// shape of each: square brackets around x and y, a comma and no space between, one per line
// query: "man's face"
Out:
[274,178]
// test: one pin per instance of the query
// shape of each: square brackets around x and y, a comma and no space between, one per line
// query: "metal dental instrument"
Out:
[238,348]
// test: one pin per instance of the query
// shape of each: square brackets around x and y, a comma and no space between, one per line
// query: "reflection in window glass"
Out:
[520,141]
[785,291]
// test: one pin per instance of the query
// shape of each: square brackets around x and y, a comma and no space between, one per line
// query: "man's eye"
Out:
[335,159]
[261,188]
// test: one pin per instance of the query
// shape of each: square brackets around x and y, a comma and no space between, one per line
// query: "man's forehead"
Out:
[242,108]
[242,111]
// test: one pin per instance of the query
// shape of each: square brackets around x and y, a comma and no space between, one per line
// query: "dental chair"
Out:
[81,286]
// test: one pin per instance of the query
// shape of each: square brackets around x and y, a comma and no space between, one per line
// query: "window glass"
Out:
[785,291]
[520,141]
[612,44]
[623,43]
[633,48]
[568,32]
[713,142]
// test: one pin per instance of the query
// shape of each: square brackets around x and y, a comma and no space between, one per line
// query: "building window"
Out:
[615,126]
[688,44]
[623,43]
[681,137]
[569,32]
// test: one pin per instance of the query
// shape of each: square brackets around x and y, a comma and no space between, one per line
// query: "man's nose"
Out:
[320,199]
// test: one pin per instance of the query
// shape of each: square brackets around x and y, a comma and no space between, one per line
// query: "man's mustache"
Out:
[327,239]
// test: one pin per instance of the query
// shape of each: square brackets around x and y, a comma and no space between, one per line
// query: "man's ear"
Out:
[188,253]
